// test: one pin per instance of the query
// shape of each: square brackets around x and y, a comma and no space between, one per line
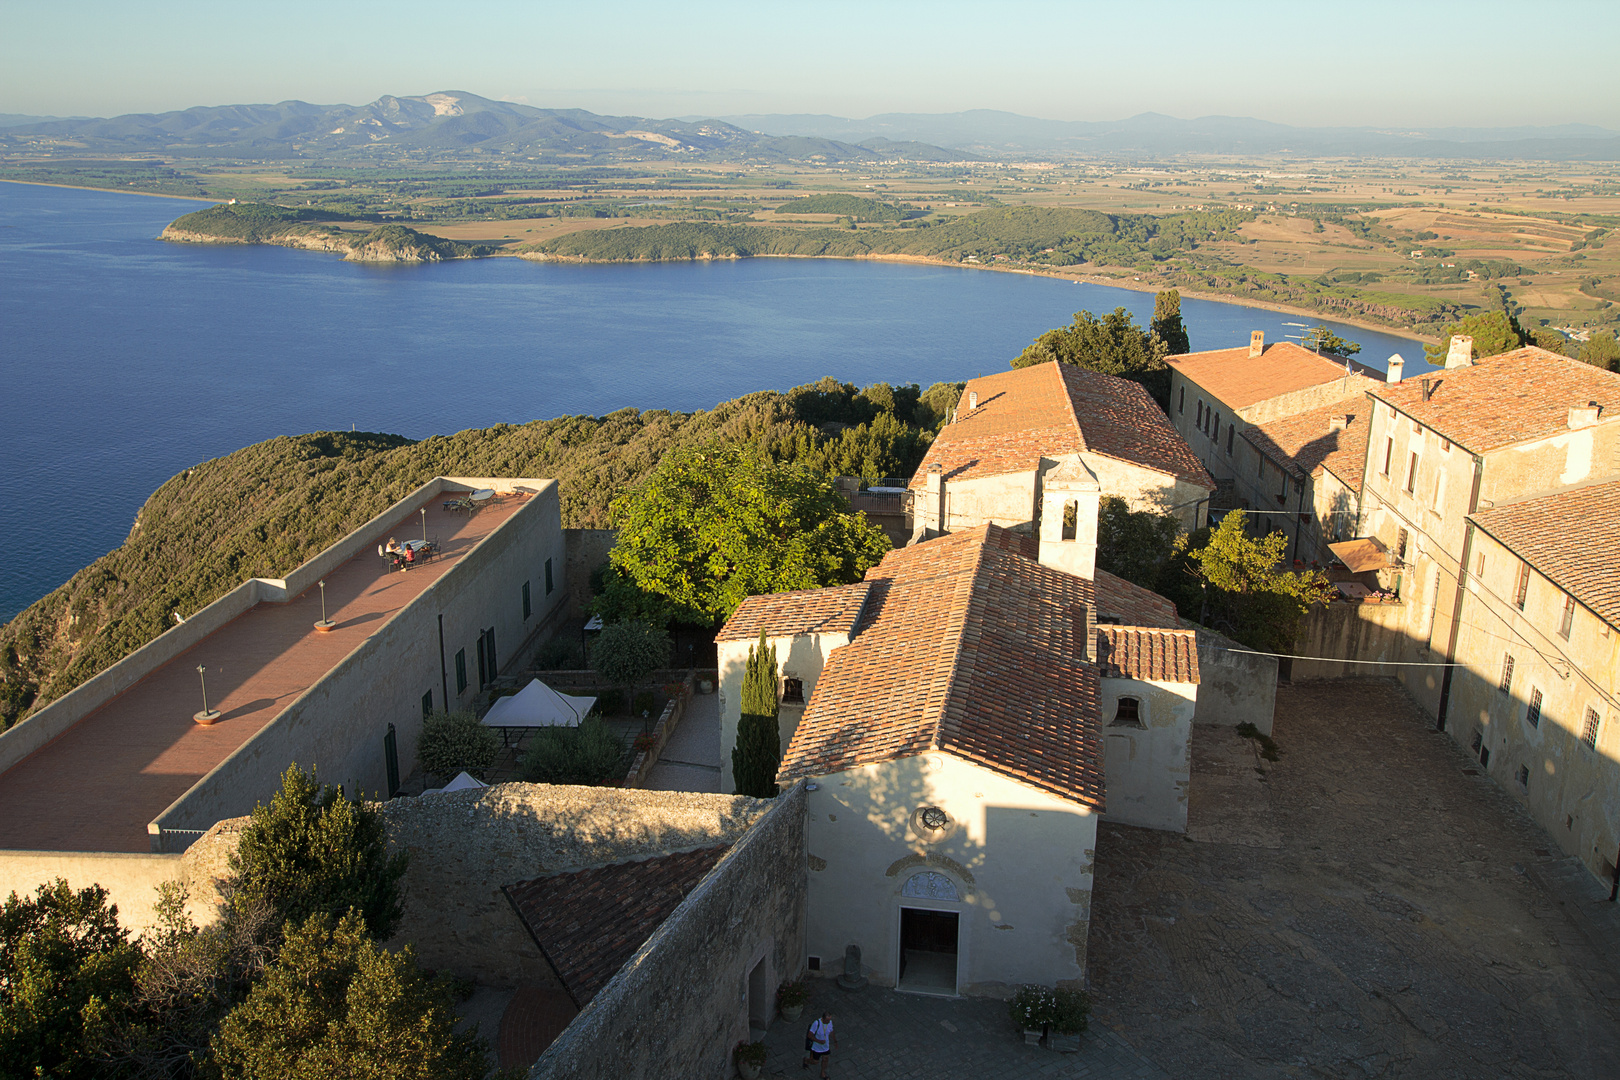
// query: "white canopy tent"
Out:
[538,705]
[463,782]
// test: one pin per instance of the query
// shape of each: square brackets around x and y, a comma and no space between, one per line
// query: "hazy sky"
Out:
[1430,62]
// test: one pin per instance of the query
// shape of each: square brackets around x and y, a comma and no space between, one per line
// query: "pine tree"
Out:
[758,753]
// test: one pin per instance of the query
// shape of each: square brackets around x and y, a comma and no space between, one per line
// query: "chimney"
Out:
[1582,416]
[1461,352]
[1429,387]
[1396,367]
[973,400]
[1257,343]
[1338,422]
[934,509]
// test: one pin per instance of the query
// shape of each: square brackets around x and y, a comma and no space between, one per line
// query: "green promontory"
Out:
[853,207]
[264,223]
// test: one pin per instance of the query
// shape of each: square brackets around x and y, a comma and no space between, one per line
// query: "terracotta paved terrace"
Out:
[97,785]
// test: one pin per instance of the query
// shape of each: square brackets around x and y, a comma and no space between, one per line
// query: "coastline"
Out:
[112,191]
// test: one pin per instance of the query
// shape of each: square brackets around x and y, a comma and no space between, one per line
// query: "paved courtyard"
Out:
[1361,908]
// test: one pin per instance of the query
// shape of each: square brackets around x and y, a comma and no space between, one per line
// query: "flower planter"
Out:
[1063,1044]
[791,1013]
[1032,1036]
[748,1070]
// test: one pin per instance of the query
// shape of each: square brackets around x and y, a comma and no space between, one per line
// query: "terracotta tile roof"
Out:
[966,647]
[1054,409]
[1573,537]
[807,611]
[1501,400]
[589,922]
[1304,442]
[1144,652]
[1238,380]
[1131,605]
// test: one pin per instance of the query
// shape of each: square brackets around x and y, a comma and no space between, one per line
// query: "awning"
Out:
[538,705]
[1362,553]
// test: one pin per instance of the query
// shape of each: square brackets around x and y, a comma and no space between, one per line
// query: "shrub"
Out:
[334,1004]
[1032,1007]
[561,653]
[65,964]
[588,754]
[312,851]
[792,993]
[610,702]
[455,742]
[1071,1012]
[749,1053]
[626,653]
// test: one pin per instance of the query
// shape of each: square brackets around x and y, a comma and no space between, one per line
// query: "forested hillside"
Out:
[266,508]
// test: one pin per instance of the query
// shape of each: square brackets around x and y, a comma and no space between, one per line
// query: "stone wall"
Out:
[587,549]
[1237,687]
[680,1004]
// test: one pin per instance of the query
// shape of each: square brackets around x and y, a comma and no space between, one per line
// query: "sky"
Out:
[1429,63]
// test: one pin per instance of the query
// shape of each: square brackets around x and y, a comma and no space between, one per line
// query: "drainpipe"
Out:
[1299,526]
[1457,604]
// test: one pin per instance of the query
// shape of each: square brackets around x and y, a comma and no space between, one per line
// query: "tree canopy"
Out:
[758,753]
[1321,339]
[713,526]
[312,851]
[1112,345]
[627,653]
[1167,324]
[1134,544]
[1251,597]
[1493,332]
[1601,350]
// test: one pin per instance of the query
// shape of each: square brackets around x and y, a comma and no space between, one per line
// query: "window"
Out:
[1128,713]
[1071,519]
[391,760]
[1524,777]
[1198,415]
[1230,431]
[549,585]
[1479,566]
[1439,491]
[525,599]
[1181,402]
[1389,453]
[1589,730]
[1532,712]
[427,704]
[793,691]
[1283,494]
[1507,673]
[1400,546]
[1479,740]
[1522,588]
[1216,433]
[1445,446]
[461,670]
[1567,620]
[1411,473]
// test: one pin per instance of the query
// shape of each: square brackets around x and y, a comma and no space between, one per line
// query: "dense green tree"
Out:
[1601,350]
[587,754]
[335,1006]
[1551,340]
[1320,339]
[1167,322]
[1251,597]
[454,742]
[1494,332]
[758,753]
[627,653]
[1134,544]
[66,970]
[1112,345]
[313,851]
[710,527]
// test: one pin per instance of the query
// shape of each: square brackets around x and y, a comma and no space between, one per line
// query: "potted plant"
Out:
[790,998]
[1033,1008]
[1069,1018]
[750,1059]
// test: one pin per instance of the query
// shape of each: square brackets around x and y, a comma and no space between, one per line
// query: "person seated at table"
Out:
[395,552]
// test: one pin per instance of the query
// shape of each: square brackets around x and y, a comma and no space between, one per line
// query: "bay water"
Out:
[124,360]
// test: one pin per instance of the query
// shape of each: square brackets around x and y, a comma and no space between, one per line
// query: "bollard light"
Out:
[207,716]
[325,624]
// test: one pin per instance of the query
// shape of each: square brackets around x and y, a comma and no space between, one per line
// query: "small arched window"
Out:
[793,691]
[1071,519]
[1128,713]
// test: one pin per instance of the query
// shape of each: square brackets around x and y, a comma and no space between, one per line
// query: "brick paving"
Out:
[97,785]
[1372,912]
[886,1035]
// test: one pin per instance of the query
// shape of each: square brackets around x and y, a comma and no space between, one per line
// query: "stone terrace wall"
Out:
[680,1004]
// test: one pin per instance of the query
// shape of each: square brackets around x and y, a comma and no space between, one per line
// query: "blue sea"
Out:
[124,360]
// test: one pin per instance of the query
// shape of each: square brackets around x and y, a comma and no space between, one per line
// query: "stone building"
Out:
[989,464]
[1264,419]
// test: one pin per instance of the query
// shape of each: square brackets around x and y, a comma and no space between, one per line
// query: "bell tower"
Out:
[1070,499]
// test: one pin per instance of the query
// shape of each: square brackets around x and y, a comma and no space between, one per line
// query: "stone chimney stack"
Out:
[1070,500]
[1338,422]
[934,507]
[973,400]
[1584,416]
[1461,352]
[1396,367]
[1257,343]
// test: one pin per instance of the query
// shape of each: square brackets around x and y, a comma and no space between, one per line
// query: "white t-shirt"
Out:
[820,1036]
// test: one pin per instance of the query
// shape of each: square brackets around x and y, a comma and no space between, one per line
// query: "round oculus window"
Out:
[933,818]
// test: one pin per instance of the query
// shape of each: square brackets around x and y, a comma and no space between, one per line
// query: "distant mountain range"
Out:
[455,123]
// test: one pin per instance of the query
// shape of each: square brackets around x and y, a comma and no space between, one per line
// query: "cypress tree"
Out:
[1167,322]
[758,752]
